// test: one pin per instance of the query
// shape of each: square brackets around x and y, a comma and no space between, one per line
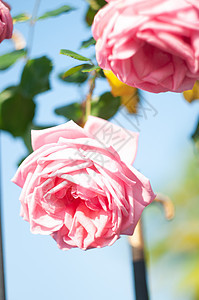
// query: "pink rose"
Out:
[152,45]
[78,189]
[6,4]
[6,24]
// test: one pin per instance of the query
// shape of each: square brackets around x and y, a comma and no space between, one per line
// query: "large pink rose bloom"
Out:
[6,24]
[152,45]
[78,188]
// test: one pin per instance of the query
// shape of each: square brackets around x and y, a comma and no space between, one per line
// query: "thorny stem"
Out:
[32,26]
[2,275]
[88,99]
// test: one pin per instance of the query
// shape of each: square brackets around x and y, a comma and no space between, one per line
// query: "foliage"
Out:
[195,135]
[16,111]
[17,104]
[181,240]
[88,43]
[8,59]
[35,76]
[129,95]
[73,77]
[56,12]
[23,17]
[74,55]
[94,6]
[105,107]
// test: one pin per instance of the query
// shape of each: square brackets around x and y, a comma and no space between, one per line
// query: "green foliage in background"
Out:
[105,107]
[181,240]
[17,103]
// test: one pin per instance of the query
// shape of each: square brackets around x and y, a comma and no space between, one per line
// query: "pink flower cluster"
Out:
[152,45]
[78,188]
[6,24]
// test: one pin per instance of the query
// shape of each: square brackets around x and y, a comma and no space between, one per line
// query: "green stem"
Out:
[2,274]
[88,108]
[89,96]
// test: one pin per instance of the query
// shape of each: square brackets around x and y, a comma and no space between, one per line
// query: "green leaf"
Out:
[21,18]
[90,16]
[101,3]
[77,77]
[101,73]
[56,12]
[35,76]
[91,68]
[88,43]
[74,70]
[106,107]
[72,112]
[8,59]
[95,5]
[16,111]
[74,55]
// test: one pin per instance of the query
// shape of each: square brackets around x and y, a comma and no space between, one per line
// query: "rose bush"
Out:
[6,24]
[152,45]
[78,188]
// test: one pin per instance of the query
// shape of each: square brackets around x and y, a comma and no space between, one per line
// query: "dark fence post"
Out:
[2,278]
[139,269]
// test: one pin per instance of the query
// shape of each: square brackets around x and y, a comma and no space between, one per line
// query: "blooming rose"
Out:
[77,188]
[6,24]
[152,45]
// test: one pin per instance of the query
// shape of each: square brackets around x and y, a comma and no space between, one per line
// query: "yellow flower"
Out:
[193,94]
[128,94]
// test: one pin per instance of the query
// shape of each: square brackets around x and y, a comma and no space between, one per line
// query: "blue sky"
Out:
[35,267]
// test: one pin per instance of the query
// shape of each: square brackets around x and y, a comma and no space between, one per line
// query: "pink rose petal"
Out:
[77,188]
[132,36]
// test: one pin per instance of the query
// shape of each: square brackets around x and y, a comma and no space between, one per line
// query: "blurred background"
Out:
[34,266]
